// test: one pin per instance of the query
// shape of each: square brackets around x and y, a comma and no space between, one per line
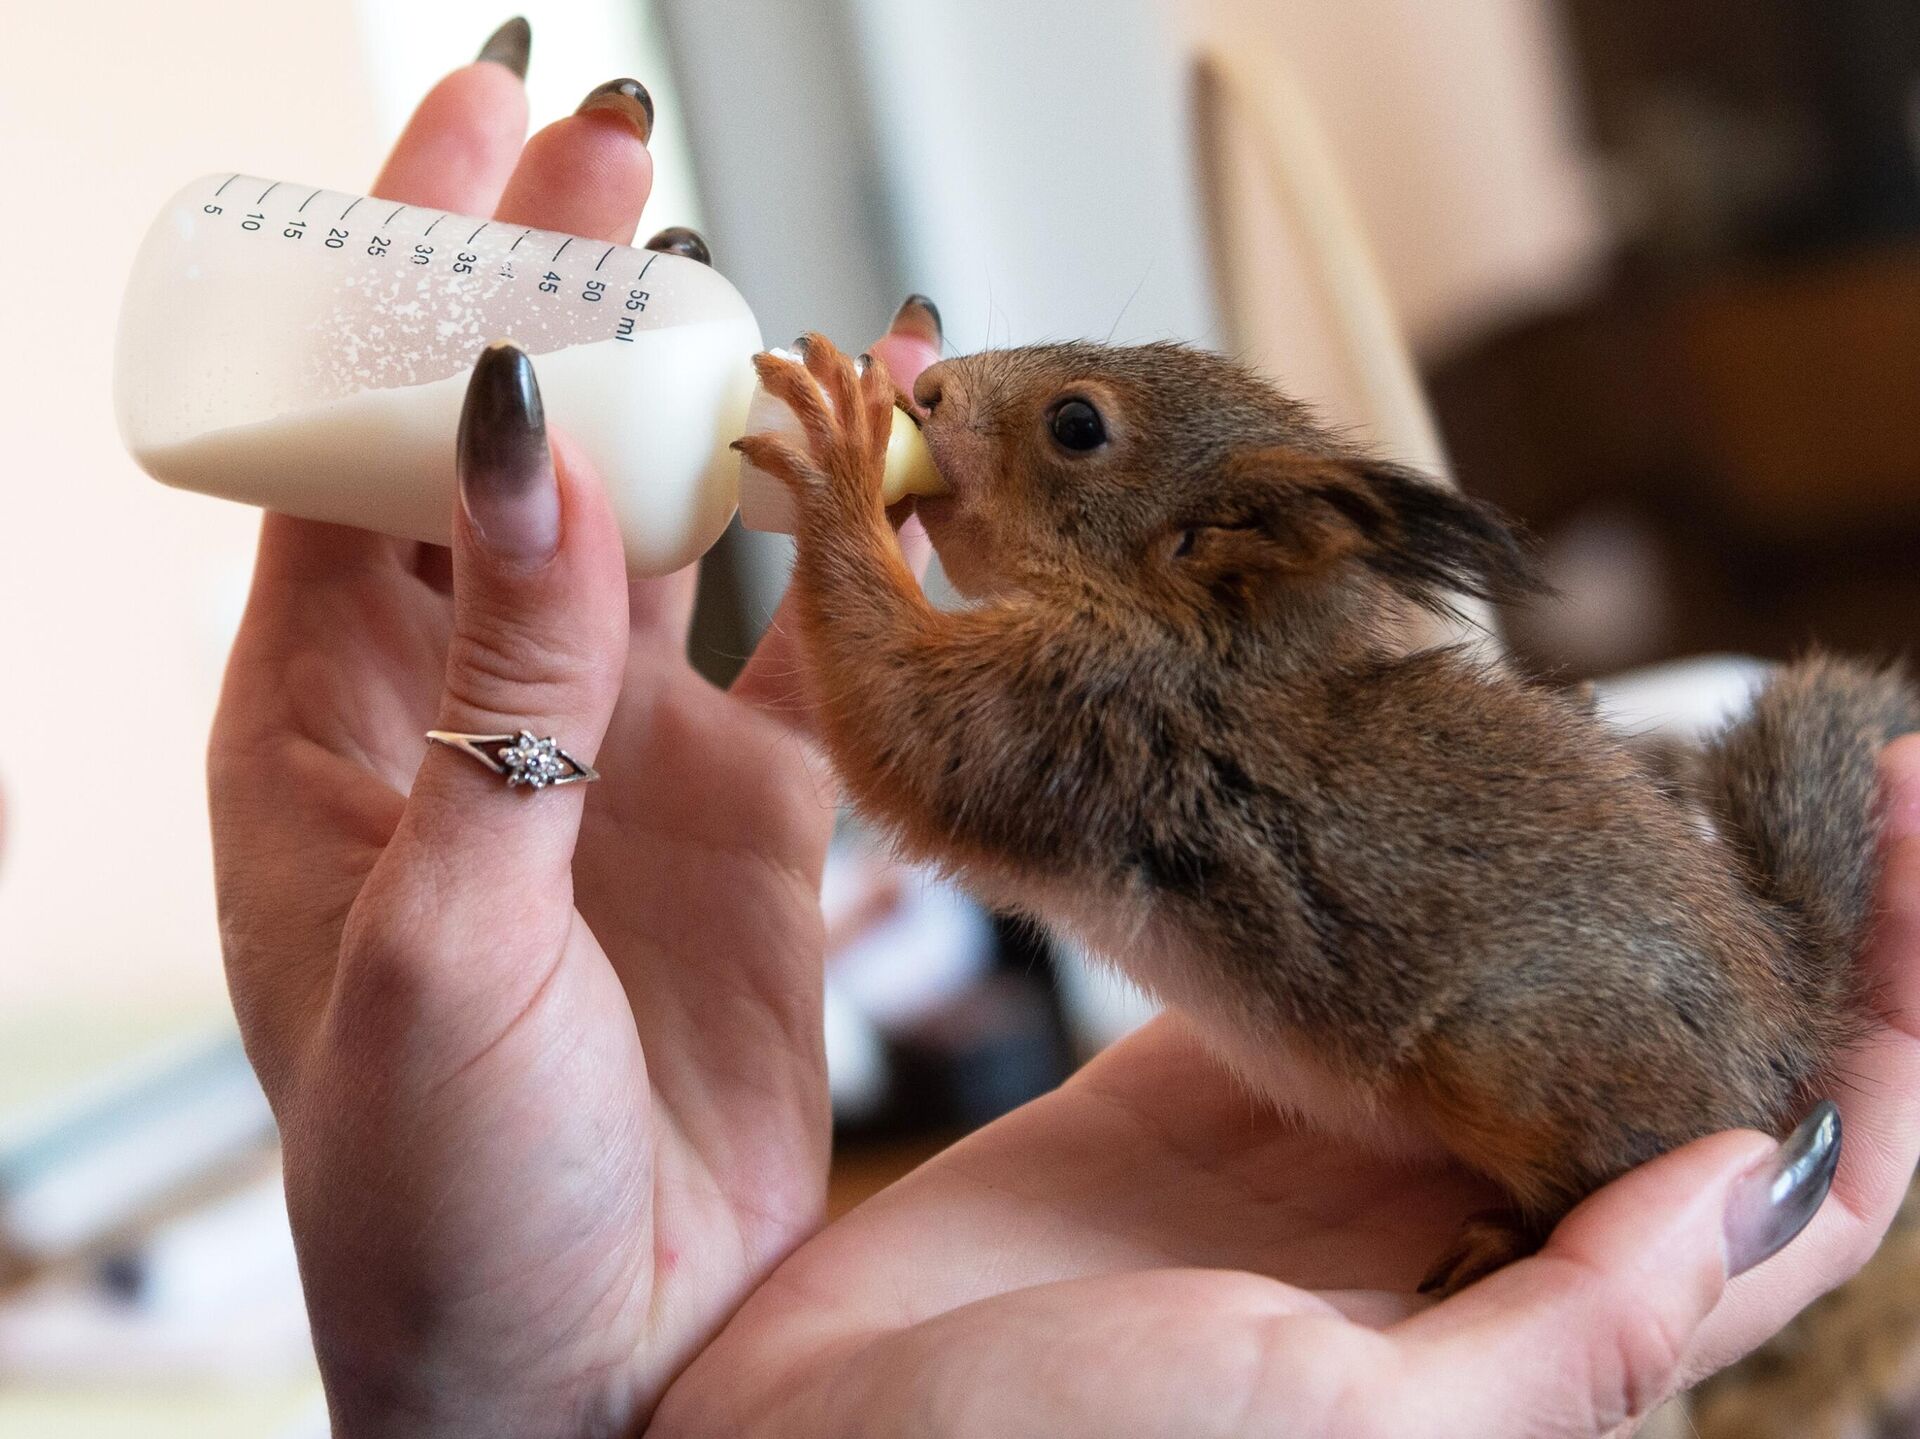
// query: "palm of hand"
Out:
[1129,1225]
[708,837]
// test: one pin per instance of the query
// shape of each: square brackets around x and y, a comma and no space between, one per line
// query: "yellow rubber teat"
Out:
[910,469]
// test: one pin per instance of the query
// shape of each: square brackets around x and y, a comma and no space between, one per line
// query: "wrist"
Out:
[426,1350]
[406,1395]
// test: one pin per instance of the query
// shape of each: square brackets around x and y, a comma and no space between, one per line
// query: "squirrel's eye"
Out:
[1076,425]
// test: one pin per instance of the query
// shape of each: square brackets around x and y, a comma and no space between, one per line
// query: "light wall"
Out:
[1041,168]
[118,595]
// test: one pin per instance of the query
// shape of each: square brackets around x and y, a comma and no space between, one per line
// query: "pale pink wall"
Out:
[116,596]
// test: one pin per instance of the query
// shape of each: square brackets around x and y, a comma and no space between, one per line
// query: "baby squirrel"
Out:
[1416,897]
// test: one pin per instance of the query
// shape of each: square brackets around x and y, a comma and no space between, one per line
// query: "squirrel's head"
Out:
[1176,478]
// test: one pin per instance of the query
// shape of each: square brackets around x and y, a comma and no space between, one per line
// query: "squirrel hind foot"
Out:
[1489,1240]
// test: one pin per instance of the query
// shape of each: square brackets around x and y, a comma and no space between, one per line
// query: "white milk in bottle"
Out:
[308,351]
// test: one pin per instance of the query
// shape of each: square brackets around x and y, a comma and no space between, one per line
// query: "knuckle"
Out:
[385,947]
[501,669]
[402,951]
[1634,1365]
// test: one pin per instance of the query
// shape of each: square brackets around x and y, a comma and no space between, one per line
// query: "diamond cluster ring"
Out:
[523,758]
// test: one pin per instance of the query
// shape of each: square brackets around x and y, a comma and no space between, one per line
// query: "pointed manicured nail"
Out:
[1768,1207]
[920,317]
[626,98]
[506,471]
[679,240]
[510,45]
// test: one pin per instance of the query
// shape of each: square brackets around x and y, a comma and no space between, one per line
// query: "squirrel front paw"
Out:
[1489,1240]
[845,413]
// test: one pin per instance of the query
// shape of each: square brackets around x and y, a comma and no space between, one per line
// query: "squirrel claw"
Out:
[1487,1241]
[844,410]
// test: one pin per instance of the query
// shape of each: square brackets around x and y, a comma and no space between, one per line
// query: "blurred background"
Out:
[1658,266]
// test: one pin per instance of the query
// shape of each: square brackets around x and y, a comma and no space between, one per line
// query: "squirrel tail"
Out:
[1795,787]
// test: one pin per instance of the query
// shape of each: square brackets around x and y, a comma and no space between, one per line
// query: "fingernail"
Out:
[626,98]
[1768,1207]
[506,472]
[679,240]
[920,317]
[510,45]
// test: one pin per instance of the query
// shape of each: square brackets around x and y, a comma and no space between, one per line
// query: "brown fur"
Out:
[1174,722]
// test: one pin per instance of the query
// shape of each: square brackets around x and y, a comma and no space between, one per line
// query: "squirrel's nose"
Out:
[929,387]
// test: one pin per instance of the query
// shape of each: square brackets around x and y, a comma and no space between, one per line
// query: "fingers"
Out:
[877,392]
[590,173]
[771,679]
[911,343]
[455,153]
[1596,1329]
[779,457]
[461,143]
[836,377]
[539,642]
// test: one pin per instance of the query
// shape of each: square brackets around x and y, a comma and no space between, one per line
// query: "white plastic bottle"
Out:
[308,351]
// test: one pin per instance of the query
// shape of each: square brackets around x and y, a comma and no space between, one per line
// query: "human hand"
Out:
[547,1067]
[1143,1252]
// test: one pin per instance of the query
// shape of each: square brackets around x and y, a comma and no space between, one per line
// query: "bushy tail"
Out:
[1794,786]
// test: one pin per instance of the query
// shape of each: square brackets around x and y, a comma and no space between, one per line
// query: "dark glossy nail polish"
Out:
[626,98]
[1768,1207]
[510,45]
[506,472]
[679,240]
[920,317]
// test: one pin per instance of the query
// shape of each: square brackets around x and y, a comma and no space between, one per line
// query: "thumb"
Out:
[538,645]
[1595,1330]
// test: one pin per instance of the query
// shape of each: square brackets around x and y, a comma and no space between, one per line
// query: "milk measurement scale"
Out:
[380,230]
[307,351]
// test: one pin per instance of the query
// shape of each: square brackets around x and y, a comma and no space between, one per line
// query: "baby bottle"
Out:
[308,351]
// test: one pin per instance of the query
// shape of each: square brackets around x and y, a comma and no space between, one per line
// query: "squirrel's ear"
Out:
[1430,541]
[1310,512]
[1426,539]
